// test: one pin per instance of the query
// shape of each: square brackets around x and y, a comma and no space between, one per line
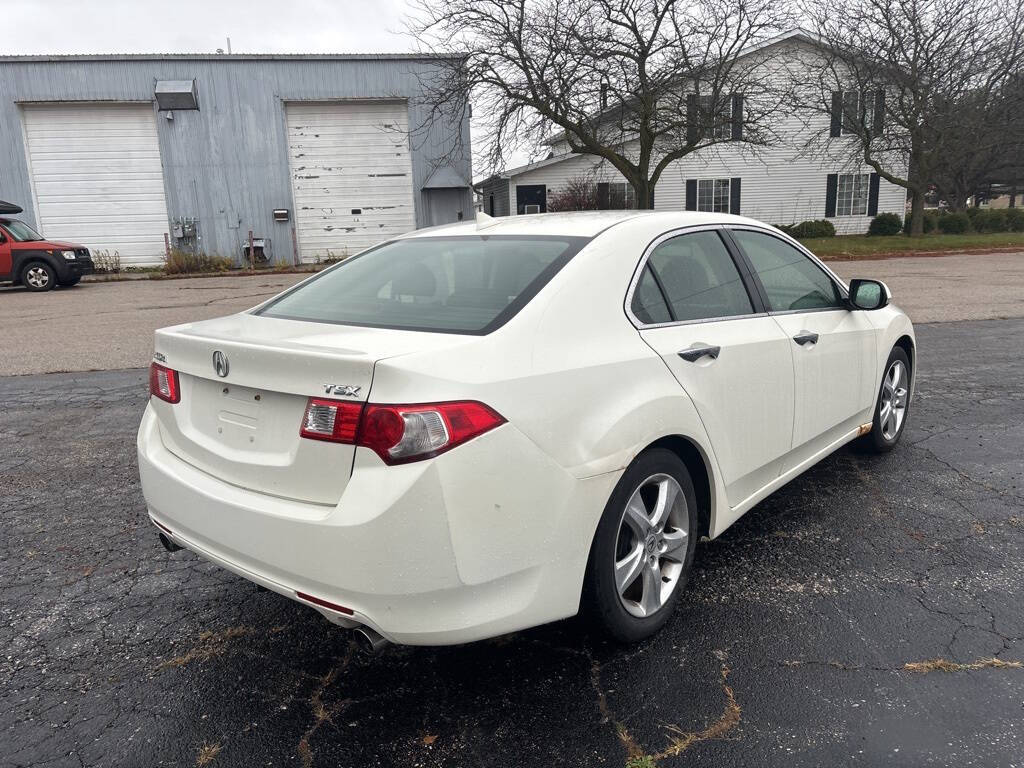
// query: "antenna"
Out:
[229,46]
[483,221]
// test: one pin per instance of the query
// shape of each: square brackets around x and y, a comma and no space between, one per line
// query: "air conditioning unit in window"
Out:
[533,208]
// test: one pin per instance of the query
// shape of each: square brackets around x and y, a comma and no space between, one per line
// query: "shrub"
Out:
[106,262]
[990,221]
[885,224]
[181,262]
[1015,219]
[816,228]
[787,228]
[577,194]
[972,212]
[954,223]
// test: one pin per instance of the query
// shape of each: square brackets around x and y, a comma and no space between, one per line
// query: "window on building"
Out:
[856,107]
[713,195]
[852,194]
[615,196]
[719,121]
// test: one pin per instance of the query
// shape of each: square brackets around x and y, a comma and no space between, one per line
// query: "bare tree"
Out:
[635,83]
[895,75]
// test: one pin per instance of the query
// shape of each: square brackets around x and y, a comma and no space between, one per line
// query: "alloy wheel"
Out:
[892,406]
[651,545]
[37,277]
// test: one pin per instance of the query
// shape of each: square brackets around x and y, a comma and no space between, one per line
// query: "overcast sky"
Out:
[191,26]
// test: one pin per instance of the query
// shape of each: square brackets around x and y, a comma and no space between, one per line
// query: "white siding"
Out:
[97,178]
[351,174]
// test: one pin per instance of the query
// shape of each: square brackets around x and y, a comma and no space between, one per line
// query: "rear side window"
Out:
[790,279]
[697,277]
[469,284]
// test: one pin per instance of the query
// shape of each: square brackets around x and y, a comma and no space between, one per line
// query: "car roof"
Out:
[575,223]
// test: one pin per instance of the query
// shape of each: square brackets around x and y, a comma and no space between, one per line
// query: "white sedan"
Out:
[482,427]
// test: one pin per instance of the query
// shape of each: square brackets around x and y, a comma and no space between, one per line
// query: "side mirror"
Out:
[868,294]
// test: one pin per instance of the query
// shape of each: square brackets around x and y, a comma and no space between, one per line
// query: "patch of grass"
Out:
[942,665]
[862,246]
[181,262]
[644,761]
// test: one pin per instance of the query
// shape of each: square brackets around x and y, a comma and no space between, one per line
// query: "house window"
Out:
[713,195]
[852,194]
[615,196]
[720,123]
[856,106]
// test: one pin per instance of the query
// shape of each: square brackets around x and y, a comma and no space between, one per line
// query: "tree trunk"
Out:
[916,213]
[644,191]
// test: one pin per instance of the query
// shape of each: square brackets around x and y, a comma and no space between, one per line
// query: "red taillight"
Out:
[163,383]
[333,420]
[399,433]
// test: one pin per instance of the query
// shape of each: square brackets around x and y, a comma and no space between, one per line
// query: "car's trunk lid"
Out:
[243,426]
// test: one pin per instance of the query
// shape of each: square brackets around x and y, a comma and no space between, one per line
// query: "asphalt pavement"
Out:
[869,613]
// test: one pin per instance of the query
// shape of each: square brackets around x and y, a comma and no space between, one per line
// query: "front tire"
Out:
[38,276]
[643,550]
[893,404]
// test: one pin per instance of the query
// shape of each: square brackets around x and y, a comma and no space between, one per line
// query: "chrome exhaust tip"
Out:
[169,545]
[370,639]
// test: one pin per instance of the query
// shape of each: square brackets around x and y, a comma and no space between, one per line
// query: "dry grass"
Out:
[210,644]
[942,665]
[207,753]
[728,720]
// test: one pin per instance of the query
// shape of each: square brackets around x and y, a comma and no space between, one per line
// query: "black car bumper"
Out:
[73,269]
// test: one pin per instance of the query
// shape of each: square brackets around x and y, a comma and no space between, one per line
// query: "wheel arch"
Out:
[699,466]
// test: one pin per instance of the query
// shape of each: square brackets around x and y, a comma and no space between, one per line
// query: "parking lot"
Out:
[102,326]
[869,613]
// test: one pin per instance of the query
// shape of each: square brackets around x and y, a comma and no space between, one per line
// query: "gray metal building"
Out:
[319,155]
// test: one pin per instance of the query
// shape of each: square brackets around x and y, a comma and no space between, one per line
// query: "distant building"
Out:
[311,153]
[781,184]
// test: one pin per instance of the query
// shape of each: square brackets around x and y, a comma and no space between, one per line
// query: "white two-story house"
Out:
[808,172]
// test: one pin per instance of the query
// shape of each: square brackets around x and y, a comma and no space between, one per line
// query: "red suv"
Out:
[38,264]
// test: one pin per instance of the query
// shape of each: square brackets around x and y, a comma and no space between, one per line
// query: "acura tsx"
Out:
[477,428]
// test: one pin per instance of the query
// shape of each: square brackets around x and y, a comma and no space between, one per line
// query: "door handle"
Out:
[694,354]
[806,337]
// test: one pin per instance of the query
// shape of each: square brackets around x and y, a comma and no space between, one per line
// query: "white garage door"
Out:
[97,178]
[351,175]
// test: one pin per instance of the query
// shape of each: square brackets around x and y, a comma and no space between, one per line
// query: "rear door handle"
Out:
[806,337]
[694,354]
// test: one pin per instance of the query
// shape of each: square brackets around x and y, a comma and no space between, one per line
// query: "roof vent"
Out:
[176,94]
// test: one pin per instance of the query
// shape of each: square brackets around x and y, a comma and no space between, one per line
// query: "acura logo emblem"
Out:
[220,363]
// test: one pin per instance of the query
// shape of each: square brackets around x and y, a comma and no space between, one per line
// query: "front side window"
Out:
[469,284]
[713,195]
[852,194]
[698,280]
[790,279]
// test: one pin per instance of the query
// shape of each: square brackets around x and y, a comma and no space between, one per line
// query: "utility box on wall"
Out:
[176,94]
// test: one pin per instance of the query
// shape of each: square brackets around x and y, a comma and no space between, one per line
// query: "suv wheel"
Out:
[643,548]
[38,276]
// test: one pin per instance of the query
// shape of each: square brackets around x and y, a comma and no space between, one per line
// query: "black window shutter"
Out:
[879,118]
[837,113]
[737,117]
[734,197]
[831,191]
[691,194]
[691,118]
[873,195]
[603,196]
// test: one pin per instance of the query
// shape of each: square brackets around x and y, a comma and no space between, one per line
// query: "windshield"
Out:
[20,231]
[446,284]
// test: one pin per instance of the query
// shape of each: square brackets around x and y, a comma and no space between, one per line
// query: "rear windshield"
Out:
[446,284]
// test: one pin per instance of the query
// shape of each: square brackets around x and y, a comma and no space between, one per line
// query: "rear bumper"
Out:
[486,539]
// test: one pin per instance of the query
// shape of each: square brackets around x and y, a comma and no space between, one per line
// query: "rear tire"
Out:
[643,550]
[38,276]
[892,407]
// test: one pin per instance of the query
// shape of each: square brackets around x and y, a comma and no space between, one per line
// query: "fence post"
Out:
[167,247]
